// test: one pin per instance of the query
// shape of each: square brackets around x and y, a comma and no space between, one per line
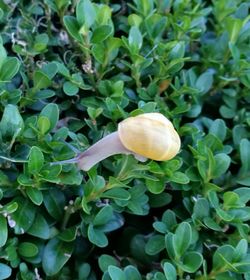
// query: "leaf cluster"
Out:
[70,71]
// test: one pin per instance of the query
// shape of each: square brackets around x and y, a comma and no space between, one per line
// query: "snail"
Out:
[146,136]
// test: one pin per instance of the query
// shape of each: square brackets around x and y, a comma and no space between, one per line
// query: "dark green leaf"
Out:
[24,216]
[169,271]
[85,13]
[11,122]
[35,195]
[97,237]
[72,27]
[9,68]
[192,261]
[155,245]
[135,39]
[41,80]
[43,124]
[70,89]
[36,160]
[51,111]
[182,238]
[56,254]
[103,216]
[27,249]
[101,33]
[116,273]
[3,231]
[54,201]
[40,227]
[117,193]
[68,234]
[132,273]
[105,261]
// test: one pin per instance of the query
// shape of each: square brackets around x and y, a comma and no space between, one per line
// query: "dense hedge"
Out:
[70,71]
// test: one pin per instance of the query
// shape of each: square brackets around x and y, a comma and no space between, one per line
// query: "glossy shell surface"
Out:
[150,135]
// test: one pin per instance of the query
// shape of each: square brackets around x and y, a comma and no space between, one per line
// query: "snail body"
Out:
[146,136]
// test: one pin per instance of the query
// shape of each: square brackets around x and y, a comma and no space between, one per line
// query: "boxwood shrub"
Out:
[70,71]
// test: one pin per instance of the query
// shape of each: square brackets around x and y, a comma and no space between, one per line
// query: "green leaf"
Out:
[43,124]
[101,33]
[135,39]
[9,68]
[35,195]
[3,231]
[72,27]
[51,111]
[155,245]
[97,237]
[132,273]
[11,122]
[222,163]
[36,160]
[219,129]
[226,216]
[104,261]
[99,53]
[56,254]
[3,55]
[245,155]
[5,271]
[24,215]
[243,180]
[68,234]
[179,178]
[182,238]
[155,187]
[204,82]
[70,89]
[116,273]
[240,251]
[210,223]
[41,42]
[206,167]
[169,271]
[201,208]
[169,219]
[54,201]
[103,216]
[50,69]
[213,198]
[231,200]
[223,257]
[41,80]
[233,26]
[40,227]
[159,200]
[117,193]
[27,249]
[169,244]
[226,112]
[192,261]
[10,207]
[85,13]
[84,271]
[244,194]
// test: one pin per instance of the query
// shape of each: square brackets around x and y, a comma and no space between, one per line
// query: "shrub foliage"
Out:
[70,71]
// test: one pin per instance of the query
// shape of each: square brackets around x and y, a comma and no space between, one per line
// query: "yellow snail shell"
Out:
[150,135]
